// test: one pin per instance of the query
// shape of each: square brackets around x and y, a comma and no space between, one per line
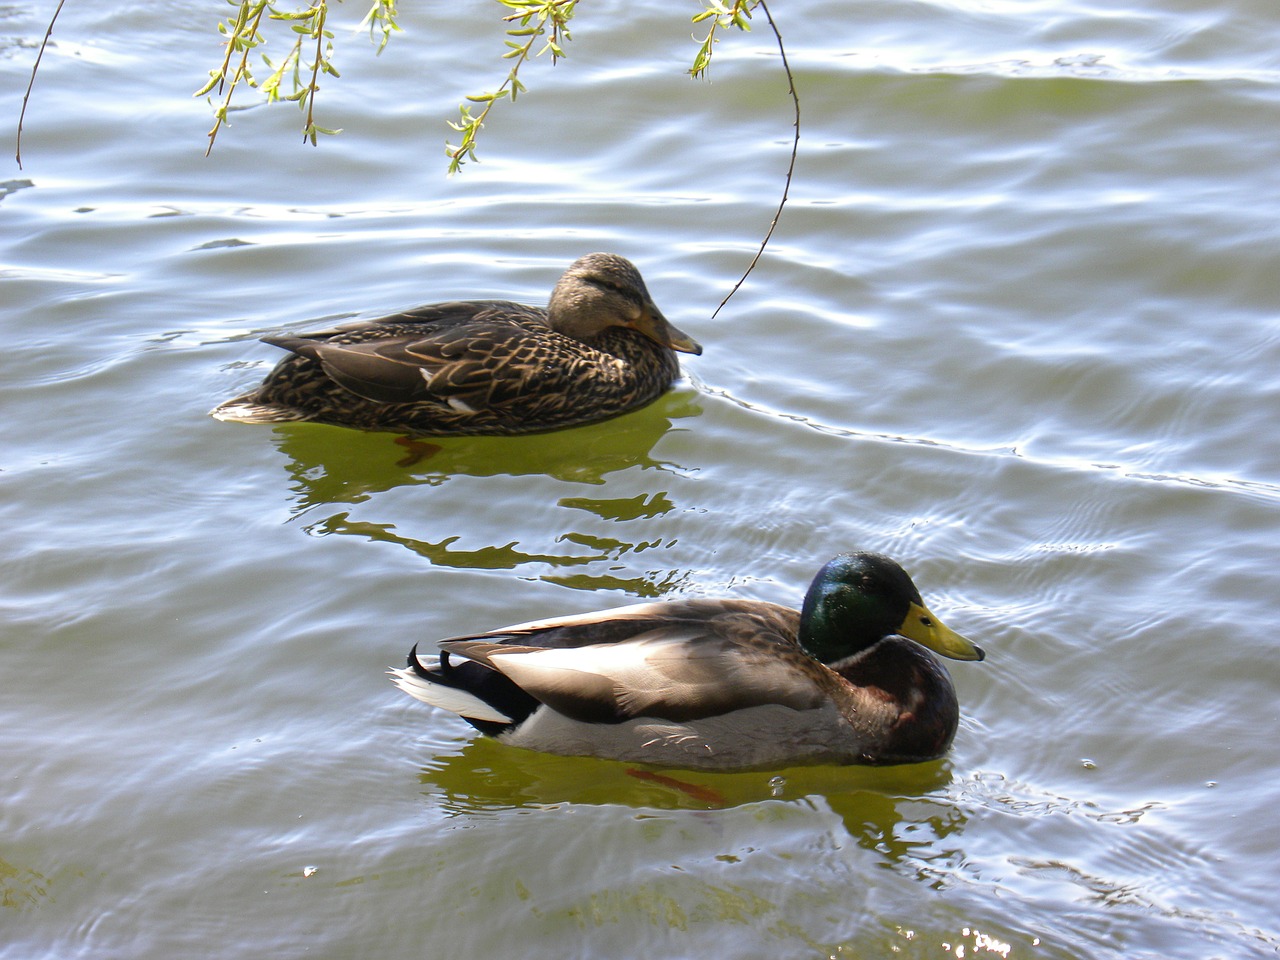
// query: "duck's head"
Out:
[603,290]
[857,599]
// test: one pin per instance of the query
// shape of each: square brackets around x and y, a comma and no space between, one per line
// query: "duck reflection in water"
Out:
[901,812]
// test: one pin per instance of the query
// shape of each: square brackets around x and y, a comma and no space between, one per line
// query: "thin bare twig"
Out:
[32,82]
[791,167]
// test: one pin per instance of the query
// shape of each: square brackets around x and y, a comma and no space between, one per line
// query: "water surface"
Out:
[1017,328]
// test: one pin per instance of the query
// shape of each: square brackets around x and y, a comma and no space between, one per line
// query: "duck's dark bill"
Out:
[684,343]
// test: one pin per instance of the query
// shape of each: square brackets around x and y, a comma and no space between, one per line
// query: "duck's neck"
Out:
[646,362]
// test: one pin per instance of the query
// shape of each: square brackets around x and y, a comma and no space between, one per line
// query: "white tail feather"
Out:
[446,698]
[243,411]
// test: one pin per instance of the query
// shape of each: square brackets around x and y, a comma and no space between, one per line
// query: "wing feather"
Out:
[674,661]
[481,354]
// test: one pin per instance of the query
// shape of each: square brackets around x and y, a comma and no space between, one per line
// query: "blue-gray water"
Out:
[1017,327]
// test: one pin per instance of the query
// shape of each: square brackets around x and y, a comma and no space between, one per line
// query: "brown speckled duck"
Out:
[717,684]
[599,349]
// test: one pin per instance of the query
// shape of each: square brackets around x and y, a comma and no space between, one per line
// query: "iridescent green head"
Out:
[857,599]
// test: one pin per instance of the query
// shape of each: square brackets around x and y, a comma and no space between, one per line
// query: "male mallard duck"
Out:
[600,348]
[716,684]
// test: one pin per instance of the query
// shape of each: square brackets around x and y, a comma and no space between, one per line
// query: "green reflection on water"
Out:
[634,508]
[336,465]
[22,887]
[329,466]
[485,776]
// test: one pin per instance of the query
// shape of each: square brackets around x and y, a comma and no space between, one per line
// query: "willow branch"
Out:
[310,131]
[220,115]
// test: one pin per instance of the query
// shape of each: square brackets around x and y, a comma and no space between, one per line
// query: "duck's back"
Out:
[463,367]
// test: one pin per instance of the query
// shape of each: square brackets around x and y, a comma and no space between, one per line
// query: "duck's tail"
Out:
[247,410]
[460,688]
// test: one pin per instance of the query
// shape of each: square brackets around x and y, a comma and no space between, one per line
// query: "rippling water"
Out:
[1018,328]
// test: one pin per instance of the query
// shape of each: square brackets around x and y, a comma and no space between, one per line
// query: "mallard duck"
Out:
[600,348]
[716,684]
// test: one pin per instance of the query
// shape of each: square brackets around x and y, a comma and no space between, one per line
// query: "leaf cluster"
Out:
[547,21]
[534,21]
[294,77]
[536,27]
[722,17]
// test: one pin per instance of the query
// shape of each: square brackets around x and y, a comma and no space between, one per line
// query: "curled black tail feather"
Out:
[415,664]
[483,683]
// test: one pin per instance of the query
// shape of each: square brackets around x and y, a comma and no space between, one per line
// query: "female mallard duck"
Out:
[600,348]
[717,684]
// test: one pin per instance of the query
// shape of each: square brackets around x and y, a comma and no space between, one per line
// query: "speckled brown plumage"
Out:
[600,348]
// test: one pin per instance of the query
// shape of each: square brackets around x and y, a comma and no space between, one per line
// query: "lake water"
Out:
[1019,327]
